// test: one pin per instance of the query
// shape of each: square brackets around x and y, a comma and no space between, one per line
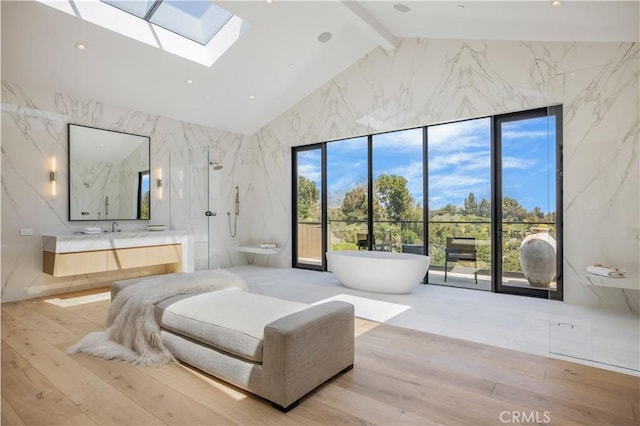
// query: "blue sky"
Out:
[459,162]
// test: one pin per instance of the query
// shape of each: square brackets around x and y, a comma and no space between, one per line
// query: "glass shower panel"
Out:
[189,192]
[600,316]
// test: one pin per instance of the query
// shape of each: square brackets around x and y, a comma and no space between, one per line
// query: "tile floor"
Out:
[537,326]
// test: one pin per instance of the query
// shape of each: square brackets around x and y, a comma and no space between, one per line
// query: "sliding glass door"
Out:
[397,181]
[347,194]
[481,197]
[528,172]
[459,183]
[308,217]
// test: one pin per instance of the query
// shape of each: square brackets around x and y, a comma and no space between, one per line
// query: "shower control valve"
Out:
[210,213]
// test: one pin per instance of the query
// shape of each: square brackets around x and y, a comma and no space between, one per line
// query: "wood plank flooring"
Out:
[401,377]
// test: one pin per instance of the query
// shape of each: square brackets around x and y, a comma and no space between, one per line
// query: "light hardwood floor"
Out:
[401,376]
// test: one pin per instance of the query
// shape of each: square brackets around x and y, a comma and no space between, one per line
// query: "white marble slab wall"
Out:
[34,130]
[431,81]
[103,191]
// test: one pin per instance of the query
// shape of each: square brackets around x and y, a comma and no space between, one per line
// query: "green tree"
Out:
[449,209]
[470,205]
[512,211]
[537,211]
[308,195]
[484,208]
[144,206]
[354,205]
[394,195]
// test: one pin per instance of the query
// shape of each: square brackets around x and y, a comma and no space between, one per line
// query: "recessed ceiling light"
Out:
[252,97]
[189,81]
[325,37]
[401,7]
[556,3]
[81,46]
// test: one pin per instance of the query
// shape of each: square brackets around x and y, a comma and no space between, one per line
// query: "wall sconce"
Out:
[53,176]
[159,183]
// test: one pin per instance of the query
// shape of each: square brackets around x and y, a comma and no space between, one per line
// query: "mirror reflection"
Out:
[108,175]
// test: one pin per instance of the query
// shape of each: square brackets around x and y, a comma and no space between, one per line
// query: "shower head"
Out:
[215,165]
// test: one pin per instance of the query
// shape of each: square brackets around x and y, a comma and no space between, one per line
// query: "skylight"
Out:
[197,30]
[197,20]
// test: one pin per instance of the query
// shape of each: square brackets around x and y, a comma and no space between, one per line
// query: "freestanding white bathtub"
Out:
[378,271]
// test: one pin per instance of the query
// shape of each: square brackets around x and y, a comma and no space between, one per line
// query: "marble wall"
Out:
[34,130]
[421,82]
[107,190]
[431,81]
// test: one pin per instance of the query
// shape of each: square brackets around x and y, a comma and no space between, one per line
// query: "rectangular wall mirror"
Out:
[108,175]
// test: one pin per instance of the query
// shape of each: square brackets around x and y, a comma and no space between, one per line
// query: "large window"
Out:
[308,219]
[466,193]
[459,181]
[398,191]
[347,195]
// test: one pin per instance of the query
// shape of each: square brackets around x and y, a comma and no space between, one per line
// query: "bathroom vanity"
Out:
[76,254]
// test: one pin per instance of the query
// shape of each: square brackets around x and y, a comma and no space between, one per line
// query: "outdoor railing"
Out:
[399,236]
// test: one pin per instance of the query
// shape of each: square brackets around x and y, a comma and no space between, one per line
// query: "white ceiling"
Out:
[278,60]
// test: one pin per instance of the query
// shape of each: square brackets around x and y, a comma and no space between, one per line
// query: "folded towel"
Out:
[606,271]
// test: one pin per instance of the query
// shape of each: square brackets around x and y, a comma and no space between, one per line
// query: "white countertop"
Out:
[69,243]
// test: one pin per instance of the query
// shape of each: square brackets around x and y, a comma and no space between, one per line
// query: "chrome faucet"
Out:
[113,226]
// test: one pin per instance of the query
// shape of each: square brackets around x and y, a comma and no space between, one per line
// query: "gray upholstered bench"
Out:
[277,349]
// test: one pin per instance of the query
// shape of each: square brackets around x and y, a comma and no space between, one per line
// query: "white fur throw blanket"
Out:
[133,335]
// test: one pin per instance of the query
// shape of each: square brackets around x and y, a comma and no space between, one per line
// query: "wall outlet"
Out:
[25,232]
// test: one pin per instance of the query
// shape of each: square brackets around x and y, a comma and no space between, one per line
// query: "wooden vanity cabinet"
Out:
[88,262]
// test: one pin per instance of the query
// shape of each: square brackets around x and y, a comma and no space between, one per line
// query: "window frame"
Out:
[495,120]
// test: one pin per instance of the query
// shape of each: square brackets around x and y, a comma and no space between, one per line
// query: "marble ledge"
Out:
[69,243]
[628,283]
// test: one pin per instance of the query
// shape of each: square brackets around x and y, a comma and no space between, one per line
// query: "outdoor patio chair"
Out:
[461,249]
[363,241]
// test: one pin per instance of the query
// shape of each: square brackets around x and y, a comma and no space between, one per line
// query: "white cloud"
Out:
[460,135]
[310,171]
[462,161]
[447,182]
[517,163]
[347,147]
[404,140]
[527,134]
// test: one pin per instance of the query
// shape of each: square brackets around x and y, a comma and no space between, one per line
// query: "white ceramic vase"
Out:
[538,257]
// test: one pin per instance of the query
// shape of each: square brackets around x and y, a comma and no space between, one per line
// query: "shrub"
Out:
[345,245]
